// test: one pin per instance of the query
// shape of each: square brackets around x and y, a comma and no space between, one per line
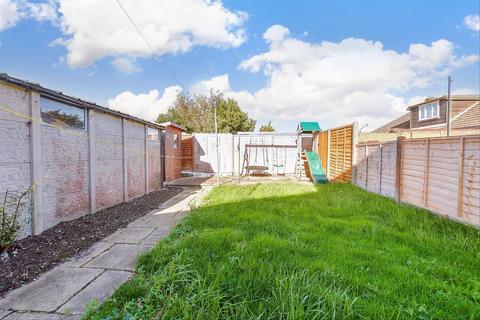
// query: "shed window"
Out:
[175,140]
[152,134]
[429,111]
[62,115]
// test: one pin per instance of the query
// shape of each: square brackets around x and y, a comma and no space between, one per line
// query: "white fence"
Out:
[234,147]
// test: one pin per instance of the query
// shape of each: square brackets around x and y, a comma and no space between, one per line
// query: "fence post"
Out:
[425,173]
[328,153]
[366,166]
[92,160]
[147,187]
[398,167]
[124,151]
[381,168]
[354,150]
[460,179]
[36,165]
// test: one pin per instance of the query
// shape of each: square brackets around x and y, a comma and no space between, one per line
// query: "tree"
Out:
[195,113]
[267,127]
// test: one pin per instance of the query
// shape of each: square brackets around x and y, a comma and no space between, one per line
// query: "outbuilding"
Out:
[172,142]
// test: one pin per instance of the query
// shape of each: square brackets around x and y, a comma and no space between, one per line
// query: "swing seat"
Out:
[260,174]
[257,168]
[278,165]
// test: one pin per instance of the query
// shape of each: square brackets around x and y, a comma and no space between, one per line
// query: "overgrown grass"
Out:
[290,251]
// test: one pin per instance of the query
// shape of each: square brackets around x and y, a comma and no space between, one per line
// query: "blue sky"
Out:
[330,61]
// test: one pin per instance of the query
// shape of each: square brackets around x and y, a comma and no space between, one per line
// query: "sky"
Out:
[334,62]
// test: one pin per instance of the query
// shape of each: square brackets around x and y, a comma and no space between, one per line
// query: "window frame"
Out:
[155,136]
[175,140]
[68,105]
[424,107]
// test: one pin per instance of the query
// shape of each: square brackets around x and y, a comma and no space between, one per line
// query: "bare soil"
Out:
[34,255]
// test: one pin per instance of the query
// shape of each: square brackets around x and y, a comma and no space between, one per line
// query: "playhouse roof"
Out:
[306,126]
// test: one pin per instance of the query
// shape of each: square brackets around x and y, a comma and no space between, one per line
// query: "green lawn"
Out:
[291,251]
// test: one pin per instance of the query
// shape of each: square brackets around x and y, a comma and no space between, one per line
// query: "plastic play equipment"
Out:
[307,160]
[315,167]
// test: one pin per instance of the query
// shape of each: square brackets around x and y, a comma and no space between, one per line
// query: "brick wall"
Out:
[65,175]
[15,146]
[76,171]
[109,160]
[135,153]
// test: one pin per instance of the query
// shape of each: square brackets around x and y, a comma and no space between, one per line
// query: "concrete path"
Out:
[63,292]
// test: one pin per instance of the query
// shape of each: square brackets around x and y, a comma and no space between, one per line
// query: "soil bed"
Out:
[34,255]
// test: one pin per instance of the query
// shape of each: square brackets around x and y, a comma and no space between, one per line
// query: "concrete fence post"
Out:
[146,159]
[124,150]
[36,162]
[91,160]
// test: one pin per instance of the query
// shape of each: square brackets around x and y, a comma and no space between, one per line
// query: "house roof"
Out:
[173,124]
[305,126]
[400,122]
[61,97]
[453,98]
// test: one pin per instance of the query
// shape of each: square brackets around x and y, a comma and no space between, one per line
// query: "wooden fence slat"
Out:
[460,179]
[425,175]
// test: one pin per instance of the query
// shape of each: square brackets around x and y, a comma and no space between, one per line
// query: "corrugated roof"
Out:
[71,99]
[306,126]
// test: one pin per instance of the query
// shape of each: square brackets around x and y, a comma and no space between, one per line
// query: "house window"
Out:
[152,134]
[62,115]
[175,140]
[429,111]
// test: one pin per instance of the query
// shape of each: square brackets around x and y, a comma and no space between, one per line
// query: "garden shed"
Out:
[172,141]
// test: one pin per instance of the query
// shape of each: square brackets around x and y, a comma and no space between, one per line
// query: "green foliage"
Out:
[196,114]
[293,251]
[10,209]
[267,127]
[62,119]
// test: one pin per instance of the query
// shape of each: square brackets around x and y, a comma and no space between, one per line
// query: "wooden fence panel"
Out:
[438,174]
[322,149]
[341,154]
[376,169]
[187,152]
[443,175]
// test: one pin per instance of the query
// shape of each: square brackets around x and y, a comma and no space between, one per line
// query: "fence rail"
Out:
[438,174]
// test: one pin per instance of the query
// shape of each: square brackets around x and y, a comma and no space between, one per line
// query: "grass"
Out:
[291,251]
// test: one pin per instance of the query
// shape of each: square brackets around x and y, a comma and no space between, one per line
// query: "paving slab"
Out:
[87,255]
[118,257]
[129,235]
[4,313]
[50,291]
[99,289]
[40,316]
[156,236]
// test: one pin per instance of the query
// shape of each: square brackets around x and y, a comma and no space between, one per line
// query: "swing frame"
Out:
[261,170]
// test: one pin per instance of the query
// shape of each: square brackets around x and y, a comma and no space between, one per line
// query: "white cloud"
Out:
[465,91]
[336,83]
[145,105]
[472,22]
[94,30]
[219,83]
[9,14]
[126,65]
[41,11]
[12,11]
